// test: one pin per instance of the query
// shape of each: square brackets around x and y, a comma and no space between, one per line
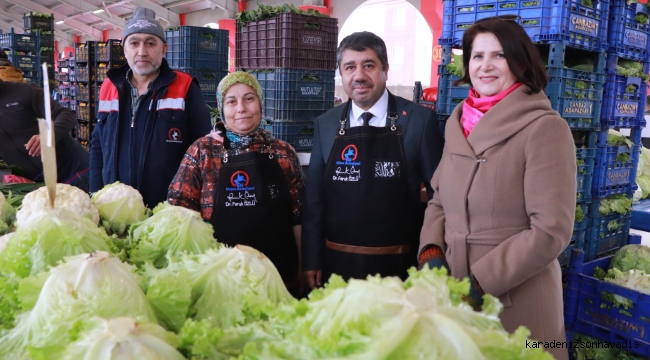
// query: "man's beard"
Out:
[150,69]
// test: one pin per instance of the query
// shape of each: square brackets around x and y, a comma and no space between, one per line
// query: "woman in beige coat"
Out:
[504,200]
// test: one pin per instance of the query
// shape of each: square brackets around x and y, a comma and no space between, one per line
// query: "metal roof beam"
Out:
[34,6]
[223,5]
[180,3]
[84,6]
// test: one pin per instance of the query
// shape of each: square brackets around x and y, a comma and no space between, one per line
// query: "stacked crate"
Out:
[293,56]
[66,89]
[22,51]
[108,54]
[43,27]
[202,53]
[84,55]
[623,107]
[587,311]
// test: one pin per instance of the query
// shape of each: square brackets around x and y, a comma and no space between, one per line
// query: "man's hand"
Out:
[33,146]
[314,278]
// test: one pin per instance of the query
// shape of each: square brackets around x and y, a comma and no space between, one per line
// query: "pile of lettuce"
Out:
[169,290]
[630,268]
[423,317]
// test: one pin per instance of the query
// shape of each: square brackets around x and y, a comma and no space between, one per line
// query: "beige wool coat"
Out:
[504,207]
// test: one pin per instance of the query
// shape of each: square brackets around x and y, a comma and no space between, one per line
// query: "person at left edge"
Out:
[148,115]
[21,104]
[363,213]
[245,182]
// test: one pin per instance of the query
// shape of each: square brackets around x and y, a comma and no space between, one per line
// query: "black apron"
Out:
[253,208]
[372,221]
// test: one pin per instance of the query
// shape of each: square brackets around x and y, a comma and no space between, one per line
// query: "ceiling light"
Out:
[59,22]
[98,11]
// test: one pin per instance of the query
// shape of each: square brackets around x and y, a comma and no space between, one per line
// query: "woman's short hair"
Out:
[520,52]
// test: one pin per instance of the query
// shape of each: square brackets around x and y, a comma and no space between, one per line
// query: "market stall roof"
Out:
[91,17]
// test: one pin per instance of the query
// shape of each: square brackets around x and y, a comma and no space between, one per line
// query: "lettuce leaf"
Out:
[615,204]
[616,138]
[455,67]
[644,184]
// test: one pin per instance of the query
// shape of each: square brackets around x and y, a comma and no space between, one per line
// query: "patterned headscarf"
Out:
[236,140]
[238,77]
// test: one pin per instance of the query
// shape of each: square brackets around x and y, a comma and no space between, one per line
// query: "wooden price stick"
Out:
[48,152]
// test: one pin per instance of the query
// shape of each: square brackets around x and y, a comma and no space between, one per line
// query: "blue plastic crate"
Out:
[627,37]
[25,62]
[613,60]
[586,312]
[586,158]
[296,94]
[208,81]
[576,95]
[449,95]
[545,21]
[578,236]
[198,48]
[623,109]
[18,42]
[300,134]
[612,176]
[606,233]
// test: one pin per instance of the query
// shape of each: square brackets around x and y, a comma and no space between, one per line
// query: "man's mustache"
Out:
[357,84]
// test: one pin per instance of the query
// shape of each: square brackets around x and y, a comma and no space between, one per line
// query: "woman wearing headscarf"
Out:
[246,183]
[504,192]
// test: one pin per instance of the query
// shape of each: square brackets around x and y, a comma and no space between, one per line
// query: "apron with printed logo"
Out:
[253,208]
[372,222]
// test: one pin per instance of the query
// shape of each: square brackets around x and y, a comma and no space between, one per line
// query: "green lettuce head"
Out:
[171,231]
[49,235]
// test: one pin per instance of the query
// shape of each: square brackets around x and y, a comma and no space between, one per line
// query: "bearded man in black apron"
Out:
[362,213]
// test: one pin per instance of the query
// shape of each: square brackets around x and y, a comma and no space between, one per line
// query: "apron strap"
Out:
[392,113]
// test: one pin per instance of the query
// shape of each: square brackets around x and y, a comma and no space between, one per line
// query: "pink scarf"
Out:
[475,107]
